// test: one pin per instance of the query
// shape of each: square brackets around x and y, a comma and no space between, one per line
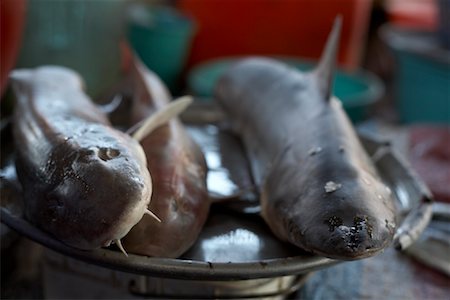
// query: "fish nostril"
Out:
[333,222]
[106,154]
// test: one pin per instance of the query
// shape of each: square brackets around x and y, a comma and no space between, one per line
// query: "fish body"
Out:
[178,169]
[319,189]
[83,181]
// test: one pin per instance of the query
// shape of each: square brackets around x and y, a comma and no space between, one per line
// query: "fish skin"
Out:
[84,182]
[281,115]
[178,168]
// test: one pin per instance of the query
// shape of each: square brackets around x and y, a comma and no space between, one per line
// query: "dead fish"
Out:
[84,182]
[319,189]
[178,168]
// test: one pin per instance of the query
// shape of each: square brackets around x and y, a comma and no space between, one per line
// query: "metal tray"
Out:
[235,243]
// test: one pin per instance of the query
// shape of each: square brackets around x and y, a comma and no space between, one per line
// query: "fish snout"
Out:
[105,193]
[351,239]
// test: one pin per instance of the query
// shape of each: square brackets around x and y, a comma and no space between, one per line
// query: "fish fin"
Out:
[119,244]
[152,214]
[327,64]
[19,79]
[110,107]
[161,117]
[19,75]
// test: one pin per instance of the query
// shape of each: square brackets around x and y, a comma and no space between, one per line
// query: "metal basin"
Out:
[235,243]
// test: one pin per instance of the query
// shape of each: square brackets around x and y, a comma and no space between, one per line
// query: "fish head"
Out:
[102,189]
[347,219]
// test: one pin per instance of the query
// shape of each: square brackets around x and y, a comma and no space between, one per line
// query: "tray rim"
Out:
[171,267]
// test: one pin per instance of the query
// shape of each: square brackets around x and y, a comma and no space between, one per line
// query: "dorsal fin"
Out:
[327,64]
[19,75]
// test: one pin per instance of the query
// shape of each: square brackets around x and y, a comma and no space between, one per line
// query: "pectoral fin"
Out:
[110,107]
[161,117]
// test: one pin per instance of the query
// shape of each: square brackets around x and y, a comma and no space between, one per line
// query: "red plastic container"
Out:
[12,15]
[282,27]
[413,14]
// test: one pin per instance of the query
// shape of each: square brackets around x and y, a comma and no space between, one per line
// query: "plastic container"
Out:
[282,27]
[12,16]
[357,90]
[81,35]
[413,14]
[444,23]
[162,38]
[422,81]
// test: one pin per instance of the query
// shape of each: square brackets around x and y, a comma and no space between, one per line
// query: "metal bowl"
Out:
[234,244]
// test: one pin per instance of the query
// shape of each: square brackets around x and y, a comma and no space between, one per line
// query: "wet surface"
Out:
[229,237]
[229,179]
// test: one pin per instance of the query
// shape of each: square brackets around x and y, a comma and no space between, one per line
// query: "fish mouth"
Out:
[347,247]
[348,255]
[358,240]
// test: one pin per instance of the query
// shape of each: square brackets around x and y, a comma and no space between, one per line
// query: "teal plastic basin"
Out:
[422,77]
[423,89]
[162,37]
[357,91]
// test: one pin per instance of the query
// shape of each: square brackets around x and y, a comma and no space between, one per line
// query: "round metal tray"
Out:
[235,243]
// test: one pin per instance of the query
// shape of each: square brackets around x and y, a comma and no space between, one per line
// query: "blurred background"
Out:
[393,54]
[393,76]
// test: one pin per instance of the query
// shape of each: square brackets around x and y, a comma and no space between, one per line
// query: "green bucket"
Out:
[82,35]
[422,79]
[358,91]
[161,36]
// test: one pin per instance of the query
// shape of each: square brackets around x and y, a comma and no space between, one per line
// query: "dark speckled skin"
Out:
[298,139]
[178,169]
[84,182]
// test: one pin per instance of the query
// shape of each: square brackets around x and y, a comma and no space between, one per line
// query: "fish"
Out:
[84,182]
[180,196]
[319,189]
